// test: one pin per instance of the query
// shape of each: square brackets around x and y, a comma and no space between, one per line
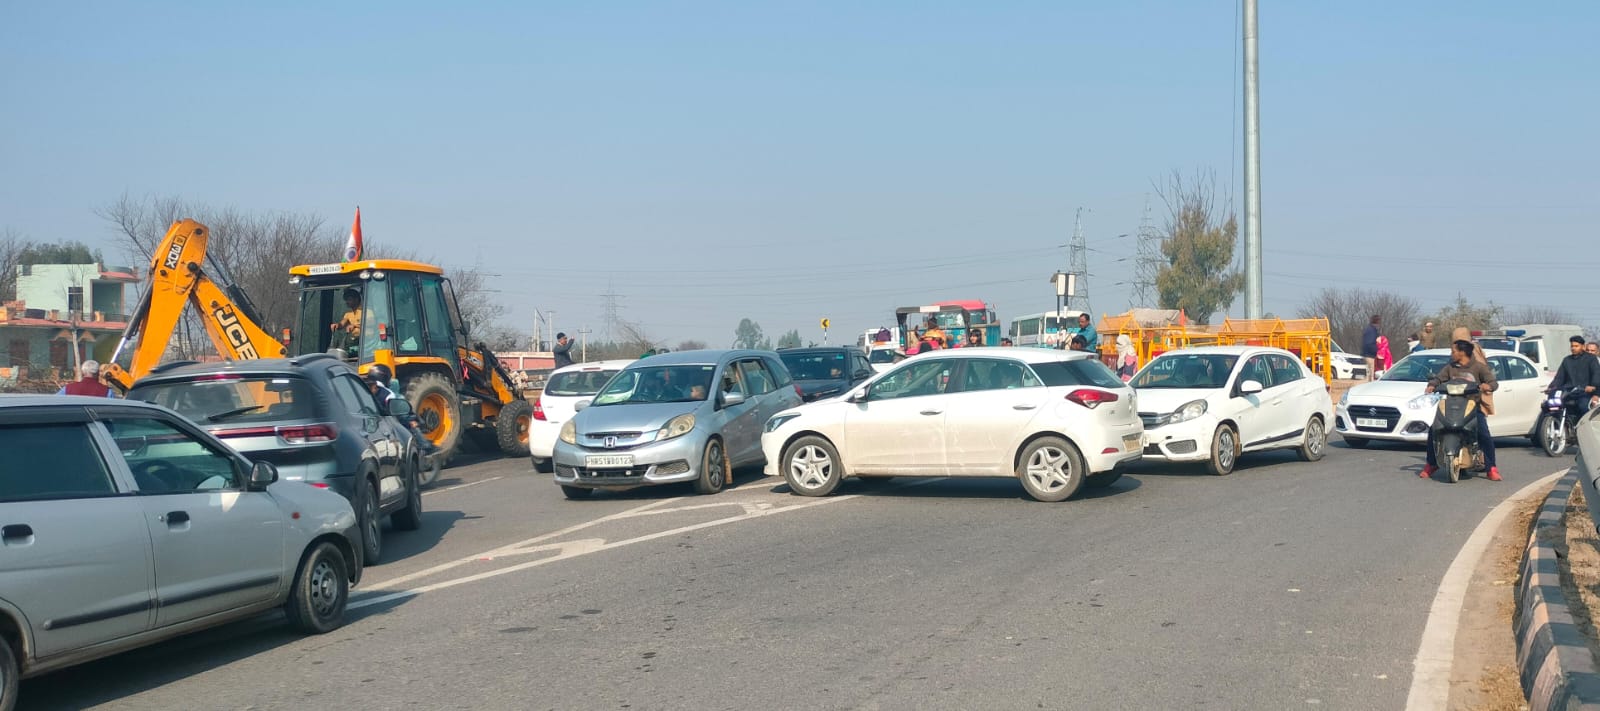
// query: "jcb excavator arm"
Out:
[178,279]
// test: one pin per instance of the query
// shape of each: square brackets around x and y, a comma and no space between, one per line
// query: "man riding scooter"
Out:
[1463,366]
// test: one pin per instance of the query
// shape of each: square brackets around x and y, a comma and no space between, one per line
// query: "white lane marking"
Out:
[1430,676]
[585,548]
[461,486]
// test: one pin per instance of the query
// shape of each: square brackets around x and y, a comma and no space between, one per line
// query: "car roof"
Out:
[1488,352]
[28,400]
[259,366]
[710,356]
[1228,350]
[1026,354]
[817,349]
[617,364]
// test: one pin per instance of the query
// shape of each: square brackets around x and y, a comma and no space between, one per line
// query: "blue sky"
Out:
[789,161]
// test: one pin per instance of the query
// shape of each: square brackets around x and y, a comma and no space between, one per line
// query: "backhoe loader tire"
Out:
[511,427]
[438,406]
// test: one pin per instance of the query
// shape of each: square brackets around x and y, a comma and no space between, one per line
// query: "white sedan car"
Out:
[1394,408]
[1214,403]
[559,402]
[1057,420]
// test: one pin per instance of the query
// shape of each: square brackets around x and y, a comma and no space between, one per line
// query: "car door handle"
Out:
[933,412]
[174,518]
[1023,407]
[17,532]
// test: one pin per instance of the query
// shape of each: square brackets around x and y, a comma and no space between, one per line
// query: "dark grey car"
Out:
[826,371]
[314,419]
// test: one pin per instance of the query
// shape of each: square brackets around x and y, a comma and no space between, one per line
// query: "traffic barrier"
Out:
[1556,668]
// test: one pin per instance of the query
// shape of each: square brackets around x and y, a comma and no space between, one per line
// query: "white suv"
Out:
[558,403]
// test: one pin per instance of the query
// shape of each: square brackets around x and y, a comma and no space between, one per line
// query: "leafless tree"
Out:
[1537,314]
[12,245]
[1350,310]
[691,345]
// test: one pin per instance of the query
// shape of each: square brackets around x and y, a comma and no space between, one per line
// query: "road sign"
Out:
[824,324]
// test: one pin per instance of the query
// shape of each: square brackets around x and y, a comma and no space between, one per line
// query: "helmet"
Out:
[380,374]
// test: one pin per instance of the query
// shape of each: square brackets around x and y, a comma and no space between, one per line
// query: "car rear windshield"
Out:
[816,365]
[237,399]
[1084,371]
[578,382]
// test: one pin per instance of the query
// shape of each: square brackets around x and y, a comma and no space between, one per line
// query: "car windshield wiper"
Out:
[233,413]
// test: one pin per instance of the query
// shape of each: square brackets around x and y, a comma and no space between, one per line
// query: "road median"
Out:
[1554,657]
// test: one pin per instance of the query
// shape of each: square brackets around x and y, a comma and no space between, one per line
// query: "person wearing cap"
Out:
[88,382]
[379,378]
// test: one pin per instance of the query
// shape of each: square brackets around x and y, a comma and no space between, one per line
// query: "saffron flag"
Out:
[352,247]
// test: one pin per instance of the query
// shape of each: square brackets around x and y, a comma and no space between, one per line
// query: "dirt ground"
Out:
[1580,569]
[1484,677]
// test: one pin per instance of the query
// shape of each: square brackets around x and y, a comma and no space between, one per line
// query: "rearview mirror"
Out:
[731,399]
[857,395]
[578,407]
[1250,387]
[262,474]
[398,407]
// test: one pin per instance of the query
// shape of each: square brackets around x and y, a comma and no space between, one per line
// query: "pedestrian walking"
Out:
[1369,345]
[1385,358]
[1127,358]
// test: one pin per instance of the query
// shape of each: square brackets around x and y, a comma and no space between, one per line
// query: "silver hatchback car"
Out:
[96,562]
[685,416]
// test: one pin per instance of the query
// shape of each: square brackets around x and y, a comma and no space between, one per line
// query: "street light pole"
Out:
[1252,168]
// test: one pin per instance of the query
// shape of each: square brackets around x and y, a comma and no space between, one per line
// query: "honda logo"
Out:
[610,442]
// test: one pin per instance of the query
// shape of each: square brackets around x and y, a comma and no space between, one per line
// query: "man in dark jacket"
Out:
[1369,347]
[563,350]
[1463,365]
[1579,373]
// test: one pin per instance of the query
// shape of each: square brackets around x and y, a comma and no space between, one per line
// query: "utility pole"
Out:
[550,322]
[1078,300]
[1147,264]
[583,343]
[1252,168]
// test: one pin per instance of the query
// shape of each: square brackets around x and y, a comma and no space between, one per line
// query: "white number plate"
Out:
[1132,443]
[609,461]
[325,269]
[1368,422]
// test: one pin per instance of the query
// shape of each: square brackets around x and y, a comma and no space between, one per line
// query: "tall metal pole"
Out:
[1252,168]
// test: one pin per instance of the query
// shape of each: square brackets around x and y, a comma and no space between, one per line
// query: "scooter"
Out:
[1455,430]
[1558,424]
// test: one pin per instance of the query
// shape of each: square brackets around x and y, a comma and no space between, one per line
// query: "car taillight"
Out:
[318,484]
[538,408]
[306,434]
[799,392]
[1091,398]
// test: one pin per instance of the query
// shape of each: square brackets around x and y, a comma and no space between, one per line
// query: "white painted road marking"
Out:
[461,486]
[1430,677]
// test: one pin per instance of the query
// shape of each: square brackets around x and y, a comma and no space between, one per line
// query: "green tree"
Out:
[790,339]
[749,335]
[58,253]
[1198,246]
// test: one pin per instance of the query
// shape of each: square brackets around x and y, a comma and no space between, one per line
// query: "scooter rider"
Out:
[1578,372]
[378,378]
[1462,365]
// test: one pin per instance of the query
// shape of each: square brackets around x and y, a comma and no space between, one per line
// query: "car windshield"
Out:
[881,356]
[239,399]
[578,382]
[816,365]
[1084,371]
[1201,371]
[1417,368]
[662,383]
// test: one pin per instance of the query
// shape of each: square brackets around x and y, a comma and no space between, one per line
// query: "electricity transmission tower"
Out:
[610,306]
[1147,263]
[1078,256]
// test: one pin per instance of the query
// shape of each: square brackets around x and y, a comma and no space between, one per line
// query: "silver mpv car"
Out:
[685,416]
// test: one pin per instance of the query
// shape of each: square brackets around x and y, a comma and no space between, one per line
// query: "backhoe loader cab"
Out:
[404,315]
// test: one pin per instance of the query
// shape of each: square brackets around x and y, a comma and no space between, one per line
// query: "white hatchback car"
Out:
[1393,408]
[558,403]
[1214,403]
[1057,420]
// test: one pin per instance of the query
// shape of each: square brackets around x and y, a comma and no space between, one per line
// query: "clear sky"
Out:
[786,161]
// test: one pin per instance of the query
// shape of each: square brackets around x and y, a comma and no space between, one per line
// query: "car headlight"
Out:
[1188,412]
[1344,400]
[777,421]
[676,427]
[569,432]
[1425,401]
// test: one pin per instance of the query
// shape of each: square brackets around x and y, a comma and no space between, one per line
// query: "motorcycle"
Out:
[1455,429]
[1558,424]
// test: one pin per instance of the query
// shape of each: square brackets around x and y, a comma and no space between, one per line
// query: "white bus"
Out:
[1042,329]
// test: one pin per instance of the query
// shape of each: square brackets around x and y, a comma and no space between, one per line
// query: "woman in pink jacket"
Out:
[1385,359]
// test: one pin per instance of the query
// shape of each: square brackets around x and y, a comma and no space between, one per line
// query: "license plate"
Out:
[609,461]
[1132,443]
[1369,422]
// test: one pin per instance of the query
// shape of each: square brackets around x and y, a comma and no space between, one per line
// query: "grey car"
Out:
[315,420]
[826,371]
[124,524]
[687,416]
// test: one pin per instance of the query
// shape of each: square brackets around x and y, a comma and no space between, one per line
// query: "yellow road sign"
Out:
[824,324]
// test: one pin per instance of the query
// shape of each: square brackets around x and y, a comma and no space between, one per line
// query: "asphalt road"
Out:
[1284,585]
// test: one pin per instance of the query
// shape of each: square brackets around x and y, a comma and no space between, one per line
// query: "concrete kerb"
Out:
[1553,658]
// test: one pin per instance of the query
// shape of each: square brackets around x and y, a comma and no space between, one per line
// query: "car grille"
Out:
[1151,419]
[618,440]
[632,473]
[1389,415]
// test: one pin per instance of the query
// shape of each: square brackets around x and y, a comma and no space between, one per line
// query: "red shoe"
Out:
[1427,471]
[1494,473]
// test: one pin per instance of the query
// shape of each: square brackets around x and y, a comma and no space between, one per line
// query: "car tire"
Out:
[1051,469]
[1102,480]
[1357,442]
[811,467]
[511,427]
[576,493]
[370,520]
[410,517]
[714,469]
[321,590]
[543,466]
[438,408]
[1224,451]
[1315,442]
[10,673]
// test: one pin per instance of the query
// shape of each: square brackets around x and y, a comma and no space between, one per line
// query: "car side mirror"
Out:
[398,407]
[261,475]
[579,405]
[857,395]
[1250,387]
[731,399]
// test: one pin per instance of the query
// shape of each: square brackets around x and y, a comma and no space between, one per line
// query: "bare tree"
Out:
[1537,314]
[12,247]
[691,345]
[1350,310]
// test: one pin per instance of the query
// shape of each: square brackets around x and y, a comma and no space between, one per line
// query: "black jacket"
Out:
[563,354]
[1576,373]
